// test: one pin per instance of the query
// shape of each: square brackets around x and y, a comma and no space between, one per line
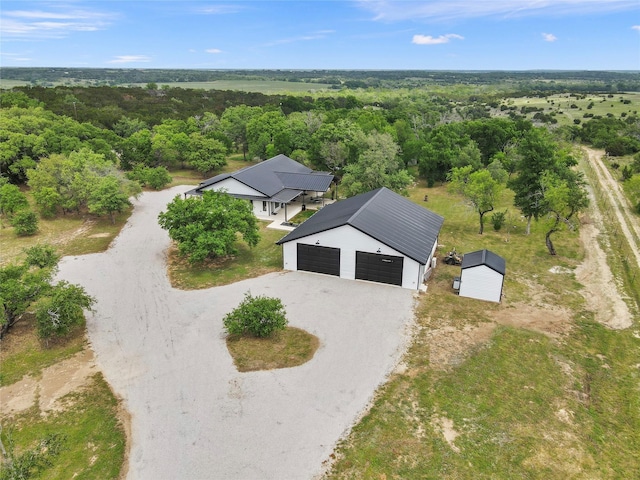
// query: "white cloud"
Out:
[429,40]
[213,50]
[549,37]
[320,34]
[636,27]
[386,10]
[130,59]
[60,23]
[220,9]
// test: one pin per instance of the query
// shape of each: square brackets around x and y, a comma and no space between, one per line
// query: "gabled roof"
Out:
[275,175]
[382,214]
[484,257]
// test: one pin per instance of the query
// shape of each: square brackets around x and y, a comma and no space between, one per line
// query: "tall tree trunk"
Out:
[550,247]
[482,219]
[528,230]
[547,237]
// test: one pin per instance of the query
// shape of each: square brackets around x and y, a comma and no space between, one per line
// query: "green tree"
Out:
[206,154]
[538,154]
[25,223]
[156,178]
[564,198]
[206,227]
[479,188]
[20,286]
[107,198]
[378,166]
[259,316]
[11,199]
[62,309]
[233,124]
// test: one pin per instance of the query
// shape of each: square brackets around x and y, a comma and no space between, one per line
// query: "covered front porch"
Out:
[281,219]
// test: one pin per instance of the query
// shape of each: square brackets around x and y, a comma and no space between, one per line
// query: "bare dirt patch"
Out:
[54,383]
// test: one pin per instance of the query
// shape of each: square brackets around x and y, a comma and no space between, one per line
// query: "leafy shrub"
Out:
[498,220]
[25,223]
[42,256]
[33,461]
[259,316]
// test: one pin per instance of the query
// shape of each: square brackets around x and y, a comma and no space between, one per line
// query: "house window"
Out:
[264,206]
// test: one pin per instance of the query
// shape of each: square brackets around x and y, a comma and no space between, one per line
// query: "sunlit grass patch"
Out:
[288,348]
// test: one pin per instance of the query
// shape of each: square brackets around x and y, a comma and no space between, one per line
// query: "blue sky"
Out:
[323,34]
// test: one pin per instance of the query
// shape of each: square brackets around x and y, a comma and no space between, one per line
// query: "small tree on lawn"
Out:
[259,316]
[564,198]
[206,227]
[479,188]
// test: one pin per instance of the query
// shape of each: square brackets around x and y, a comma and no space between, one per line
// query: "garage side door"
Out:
[379,268]
[313,258]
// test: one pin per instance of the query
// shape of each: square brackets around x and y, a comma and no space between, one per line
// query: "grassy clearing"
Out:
[23,353]
[514,403]
[289,348]
[249,262]
[76,234]
[93,446]
[568,108]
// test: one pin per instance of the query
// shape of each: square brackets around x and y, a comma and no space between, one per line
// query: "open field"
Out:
[568,107]
[268,87]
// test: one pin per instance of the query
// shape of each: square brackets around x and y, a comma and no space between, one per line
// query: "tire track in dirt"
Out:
[611,188]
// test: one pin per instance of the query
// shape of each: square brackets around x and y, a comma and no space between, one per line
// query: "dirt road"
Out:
[611,188]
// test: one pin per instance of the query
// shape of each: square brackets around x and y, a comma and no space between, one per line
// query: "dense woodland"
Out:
[87,148]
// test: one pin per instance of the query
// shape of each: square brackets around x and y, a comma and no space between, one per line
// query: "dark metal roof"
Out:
[274,175]
[312,182]
[384,215]
[484,257]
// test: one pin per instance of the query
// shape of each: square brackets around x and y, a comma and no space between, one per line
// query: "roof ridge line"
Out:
[364,205]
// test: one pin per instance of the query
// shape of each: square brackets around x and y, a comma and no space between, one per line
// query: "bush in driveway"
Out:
[256,316]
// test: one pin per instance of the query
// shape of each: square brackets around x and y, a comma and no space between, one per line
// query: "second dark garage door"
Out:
[379,268]
[313,258]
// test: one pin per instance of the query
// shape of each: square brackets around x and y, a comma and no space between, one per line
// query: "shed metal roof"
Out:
[384,215]
[274,175]
[484,257]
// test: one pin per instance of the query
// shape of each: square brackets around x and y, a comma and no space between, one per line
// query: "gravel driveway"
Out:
[194,416]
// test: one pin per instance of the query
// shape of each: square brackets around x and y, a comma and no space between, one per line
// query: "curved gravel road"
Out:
[194,416]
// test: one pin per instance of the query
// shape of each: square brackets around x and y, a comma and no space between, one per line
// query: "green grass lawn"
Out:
[93,439]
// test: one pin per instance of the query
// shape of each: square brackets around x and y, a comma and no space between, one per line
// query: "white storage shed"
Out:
[482,276]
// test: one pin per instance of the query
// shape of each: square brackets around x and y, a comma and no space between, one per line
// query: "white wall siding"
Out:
[234,187]
[349,240]
[481,282]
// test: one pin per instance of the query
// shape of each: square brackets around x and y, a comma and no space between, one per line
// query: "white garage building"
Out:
[482,276]
[378,236]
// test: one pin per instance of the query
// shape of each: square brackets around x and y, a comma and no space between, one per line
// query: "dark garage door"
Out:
[379,268]
[312,258]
